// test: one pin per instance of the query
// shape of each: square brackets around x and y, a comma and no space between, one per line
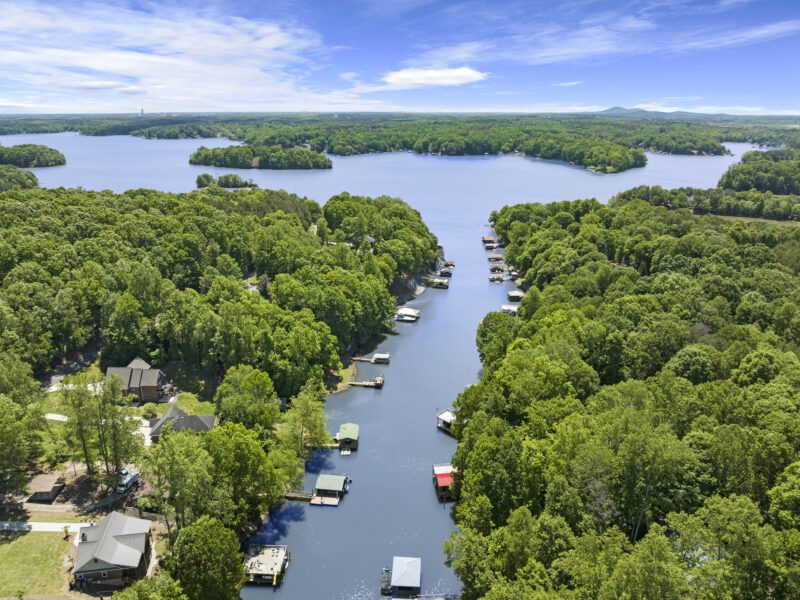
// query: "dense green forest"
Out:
[717,201]
[228,180]
[260,157]
[634,432]
[776,171]
[14,178]
[31,155]
[160,275]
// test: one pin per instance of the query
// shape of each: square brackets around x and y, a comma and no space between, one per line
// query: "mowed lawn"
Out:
[34,563]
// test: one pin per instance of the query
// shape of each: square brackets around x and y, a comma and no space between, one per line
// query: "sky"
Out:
[729,56]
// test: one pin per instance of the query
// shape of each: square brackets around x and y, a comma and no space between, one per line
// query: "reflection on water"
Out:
[391,509]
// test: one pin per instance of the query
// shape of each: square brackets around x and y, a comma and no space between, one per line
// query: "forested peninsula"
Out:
[14,178]
[31,155]
[607,142]
[634,430]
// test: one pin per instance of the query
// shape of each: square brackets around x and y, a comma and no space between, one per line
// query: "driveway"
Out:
[40,526]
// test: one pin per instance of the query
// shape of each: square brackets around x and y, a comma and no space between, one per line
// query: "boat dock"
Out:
[407,315]
[330,489]
[439,282]
[375,359]
[376,383]
[299,496]
[266,564]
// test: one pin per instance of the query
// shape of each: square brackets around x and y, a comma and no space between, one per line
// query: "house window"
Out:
[103,574]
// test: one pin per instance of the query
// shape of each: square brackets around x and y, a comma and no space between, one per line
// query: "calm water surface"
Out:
[391,509]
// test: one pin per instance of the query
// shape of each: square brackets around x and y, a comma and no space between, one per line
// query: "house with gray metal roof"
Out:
[178,420]
[113,553]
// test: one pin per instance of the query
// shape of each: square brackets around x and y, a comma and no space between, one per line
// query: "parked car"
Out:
[127,482]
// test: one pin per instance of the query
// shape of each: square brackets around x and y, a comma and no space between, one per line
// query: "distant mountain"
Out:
[679,115]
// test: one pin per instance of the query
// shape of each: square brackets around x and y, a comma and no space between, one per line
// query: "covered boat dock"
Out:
[329,489]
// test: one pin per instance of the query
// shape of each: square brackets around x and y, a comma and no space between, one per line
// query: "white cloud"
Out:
[566,84]
[97,57]
[543,41]
[411,78]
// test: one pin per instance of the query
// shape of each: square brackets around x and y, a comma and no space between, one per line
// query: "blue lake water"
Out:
[391,509]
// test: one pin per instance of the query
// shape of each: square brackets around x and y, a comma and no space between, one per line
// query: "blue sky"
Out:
[734,56]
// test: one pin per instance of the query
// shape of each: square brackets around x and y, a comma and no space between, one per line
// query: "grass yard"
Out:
[189,403]
[34,563]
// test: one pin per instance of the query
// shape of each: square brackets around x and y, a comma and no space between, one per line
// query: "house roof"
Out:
[444,479]
[348,431]
[138,363]
[150,377]
[118,541]
[133,377]
[446,415]
[330,482]
[124,373]
[179,420]
[406,571]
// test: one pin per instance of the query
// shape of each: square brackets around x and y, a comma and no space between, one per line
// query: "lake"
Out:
[338,552]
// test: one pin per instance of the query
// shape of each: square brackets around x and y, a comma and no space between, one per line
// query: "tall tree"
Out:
[305,428]
[205,559]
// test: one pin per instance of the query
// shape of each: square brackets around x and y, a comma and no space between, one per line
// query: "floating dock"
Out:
[375,359]
[443,481]
[330,489]
[494,257]
[376,383]
[407,315]
[495,268]
[439,282]
[516,295]
[266,564]
[445,419]
[496,278]
[509,309]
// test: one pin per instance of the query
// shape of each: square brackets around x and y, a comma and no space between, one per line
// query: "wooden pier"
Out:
[299,496]
[376,359]
[376,383]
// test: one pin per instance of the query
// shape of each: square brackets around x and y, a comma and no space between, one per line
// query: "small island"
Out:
[31,155]
[229,180]
[260,157]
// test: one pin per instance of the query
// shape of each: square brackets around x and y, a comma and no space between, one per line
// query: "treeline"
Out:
[603,143]
[633,432]
[229,180]
[14,178]
[776,171]
[260,157]
[31,155]
[717,201]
